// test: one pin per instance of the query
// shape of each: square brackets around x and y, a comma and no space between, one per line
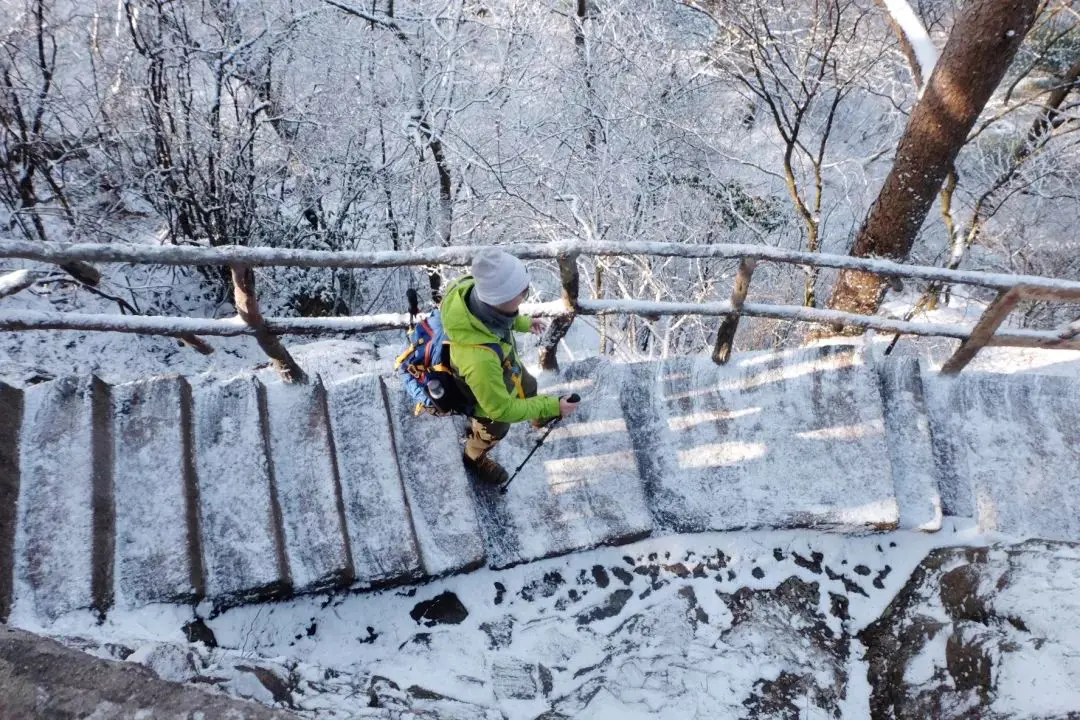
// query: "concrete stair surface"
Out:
[436,487]
[64,535]
[378,521]
[243,550]
[581,489]
[1009,451]
[911,452]
[305,477]
[174,490]
[157,553]
[793,440]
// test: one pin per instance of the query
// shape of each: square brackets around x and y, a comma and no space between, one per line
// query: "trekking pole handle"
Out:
[573,398]
[414,301]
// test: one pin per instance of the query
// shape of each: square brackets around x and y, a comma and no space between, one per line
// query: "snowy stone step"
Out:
[775,441]
[377,520]
[11,410]
[243,553]
[1009,451]
[436,486]
[157,549]
[305,478]
[66,524]
[911,450]
[581,489]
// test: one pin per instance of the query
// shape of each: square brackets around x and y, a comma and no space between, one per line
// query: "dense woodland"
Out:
[375,124]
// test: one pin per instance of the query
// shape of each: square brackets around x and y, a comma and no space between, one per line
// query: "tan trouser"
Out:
[485,433]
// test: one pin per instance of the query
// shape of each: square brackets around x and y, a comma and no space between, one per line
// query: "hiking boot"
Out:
[487,470]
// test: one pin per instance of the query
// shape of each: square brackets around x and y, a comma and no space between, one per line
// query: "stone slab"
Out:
[243,554]
[436,486]
[65,527]
[911,452]
[11,411]
[41,678]
[157,550]
[377,518]
[785,440]
[1010,451]
[580,489]
[305,477]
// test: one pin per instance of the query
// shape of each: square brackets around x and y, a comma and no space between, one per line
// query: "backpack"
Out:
[428,377]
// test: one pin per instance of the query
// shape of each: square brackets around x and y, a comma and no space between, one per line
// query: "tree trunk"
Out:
[980,47]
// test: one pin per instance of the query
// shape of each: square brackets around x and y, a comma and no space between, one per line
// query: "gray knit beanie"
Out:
[499,276]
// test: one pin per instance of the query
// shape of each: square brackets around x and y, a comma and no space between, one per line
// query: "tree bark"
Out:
[980,47]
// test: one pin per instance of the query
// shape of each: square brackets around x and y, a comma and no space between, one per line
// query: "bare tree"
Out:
[799,61]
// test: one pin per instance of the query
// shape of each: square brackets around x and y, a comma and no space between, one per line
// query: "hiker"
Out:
[479,311]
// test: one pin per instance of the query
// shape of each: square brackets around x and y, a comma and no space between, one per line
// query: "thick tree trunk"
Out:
[980,47]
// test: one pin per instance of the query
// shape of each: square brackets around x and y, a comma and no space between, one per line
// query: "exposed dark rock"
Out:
[198,631]
[1000,610]
[813,564]
[622,575]
[612,606]
[443,609]
[500,632]
[544,587]
[547,682]
[718,561]
[861,570]
[277,687]
[679,570]
[83,686]
[785,696]
[500,592]
[850,585]
[790,614]
[600,576]
[838,606]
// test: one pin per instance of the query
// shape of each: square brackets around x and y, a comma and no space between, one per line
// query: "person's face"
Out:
[511,306]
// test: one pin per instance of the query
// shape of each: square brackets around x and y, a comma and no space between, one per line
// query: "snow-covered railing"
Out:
[1012,289]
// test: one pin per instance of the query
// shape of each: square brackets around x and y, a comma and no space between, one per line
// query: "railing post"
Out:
[568,273]
[992,317]
[725,336]
[247,308]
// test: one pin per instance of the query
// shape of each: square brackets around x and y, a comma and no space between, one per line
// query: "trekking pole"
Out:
[574,398]
[414,305]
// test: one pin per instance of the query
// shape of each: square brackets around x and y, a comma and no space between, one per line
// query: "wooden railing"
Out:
[1011,290]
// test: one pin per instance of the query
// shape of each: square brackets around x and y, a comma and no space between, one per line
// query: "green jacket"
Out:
[479,366]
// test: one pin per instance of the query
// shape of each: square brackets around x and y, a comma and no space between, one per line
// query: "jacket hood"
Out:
[460,325]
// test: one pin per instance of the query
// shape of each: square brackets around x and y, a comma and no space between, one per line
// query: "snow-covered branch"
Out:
[14,282]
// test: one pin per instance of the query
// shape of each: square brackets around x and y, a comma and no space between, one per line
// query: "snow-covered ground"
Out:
[568,615]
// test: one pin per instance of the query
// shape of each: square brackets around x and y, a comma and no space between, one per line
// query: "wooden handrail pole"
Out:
[571,284]
[983,331]
[247,307]
[725,336]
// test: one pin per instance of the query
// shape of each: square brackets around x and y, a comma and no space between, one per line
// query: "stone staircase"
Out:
[172,490]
